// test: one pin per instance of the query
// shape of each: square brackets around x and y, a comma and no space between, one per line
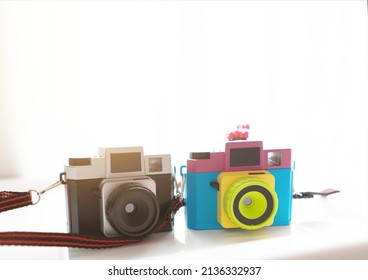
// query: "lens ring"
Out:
[266,214]
[144,216]
[262,215]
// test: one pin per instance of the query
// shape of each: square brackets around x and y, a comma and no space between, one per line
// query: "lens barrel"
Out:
[132,210]
[251,203]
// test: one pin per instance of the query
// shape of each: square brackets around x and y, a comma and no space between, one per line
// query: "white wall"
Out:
[174,76]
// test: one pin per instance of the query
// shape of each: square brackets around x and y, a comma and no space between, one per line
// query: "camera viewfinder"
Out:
[274,158]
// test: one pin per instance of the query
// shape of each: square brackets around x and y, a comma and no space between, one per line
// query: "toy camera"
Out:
[244,187]
[121,192]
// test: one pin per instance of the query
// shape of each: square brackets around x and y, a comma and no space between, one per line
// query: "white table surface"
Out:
[334,227]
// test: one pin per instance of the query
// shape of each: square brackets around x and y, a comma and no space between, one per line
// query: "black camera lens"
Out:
[132,209]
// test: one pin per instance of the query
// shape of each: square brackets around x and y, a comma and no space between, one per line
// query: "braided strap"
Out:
[62,240]
[9,200]
[13,200]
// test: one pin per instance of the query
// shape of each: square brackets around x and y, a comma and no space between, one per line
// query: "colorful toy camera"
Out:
[244,187]
[121,192]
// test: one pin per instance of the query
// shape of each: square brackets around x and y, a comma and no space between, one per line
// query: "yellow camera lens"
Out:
[250,203]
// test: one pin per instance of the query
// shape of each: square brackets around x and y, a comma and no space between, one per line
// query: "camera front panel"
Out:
[201,201]
[83,206]
[284,190]
[164,194]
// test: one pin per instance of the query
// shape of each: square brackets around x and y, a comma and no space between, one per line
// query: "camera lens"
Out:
[132,210]
[251,203]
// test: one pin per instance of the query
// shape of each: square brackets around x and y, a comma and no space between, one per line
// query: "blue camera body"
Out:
[207,192]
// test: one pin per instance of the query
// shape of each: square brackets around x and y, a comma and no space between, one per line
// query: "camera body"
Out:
[244,187]
[120,192]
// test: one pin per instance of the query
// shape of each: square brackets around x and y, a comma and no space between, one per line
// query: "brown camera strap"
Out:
[14,200]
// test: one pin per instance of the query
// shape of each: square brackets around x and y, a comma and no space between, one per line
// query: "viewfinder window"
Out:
[125,162]
[155,164]
[245,157]
[274,158]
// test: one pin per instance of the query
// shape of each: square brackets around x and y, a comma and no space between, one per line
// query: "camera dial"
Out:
[132,209]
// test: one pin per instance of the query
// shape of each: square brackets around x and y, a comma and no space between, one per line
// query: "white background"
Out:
[174,76]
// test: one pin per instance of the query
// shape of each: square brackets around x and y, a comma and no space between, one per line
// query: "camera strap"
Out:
[13,200]
[325,192]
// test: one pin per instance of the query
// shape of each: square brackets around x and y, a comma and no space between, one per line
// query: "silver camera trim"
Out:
[107,186]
